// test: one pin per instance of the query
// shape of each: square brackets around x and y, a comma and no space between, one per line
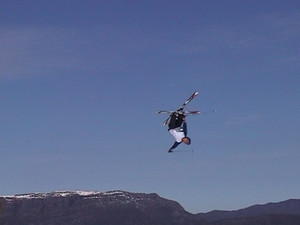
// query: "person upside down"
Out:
[178,129]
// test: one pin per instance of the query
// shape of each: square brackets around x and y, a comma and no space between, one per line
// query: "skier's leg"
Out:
[173,122]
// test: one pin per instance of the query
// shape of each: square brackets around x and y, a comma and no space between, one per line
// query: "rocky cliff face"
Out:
[91,208]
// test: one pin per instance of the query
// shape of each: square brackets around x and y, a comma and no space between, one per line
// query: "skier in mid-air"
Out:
[177,124]
[178,129]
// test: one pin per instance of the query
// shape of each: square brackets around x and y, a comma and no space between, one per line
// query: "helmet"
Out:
[186,140]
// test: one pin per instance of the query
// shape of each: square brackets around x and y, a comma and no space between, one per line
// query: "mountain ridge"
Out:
[127,208]
[290,206]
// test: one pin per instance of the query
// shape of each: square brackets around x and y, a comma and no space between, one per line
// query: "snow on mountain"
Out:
[68,193]
[109,197]
[62,194]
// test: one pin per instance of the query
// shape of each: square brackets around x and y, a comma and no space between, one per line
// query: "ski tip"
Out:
[196,93]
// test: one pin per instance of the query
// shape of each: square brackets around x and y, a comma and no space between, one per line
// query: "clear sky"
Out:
[81,81]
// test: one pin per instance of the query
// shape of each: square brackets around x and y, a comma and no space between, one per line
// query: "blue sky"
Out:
[81,81]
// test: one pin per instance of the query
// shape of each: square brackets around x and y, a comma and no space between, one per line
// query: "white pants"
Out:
[177,133]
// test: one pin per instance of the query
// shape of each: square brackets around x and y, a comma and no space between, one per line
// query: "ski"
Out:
[184,112]
[188,100]
[181,109]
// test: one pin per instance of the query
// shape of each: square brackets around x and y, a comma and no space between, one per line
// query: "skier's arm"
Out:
[184,127]
[174,145]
